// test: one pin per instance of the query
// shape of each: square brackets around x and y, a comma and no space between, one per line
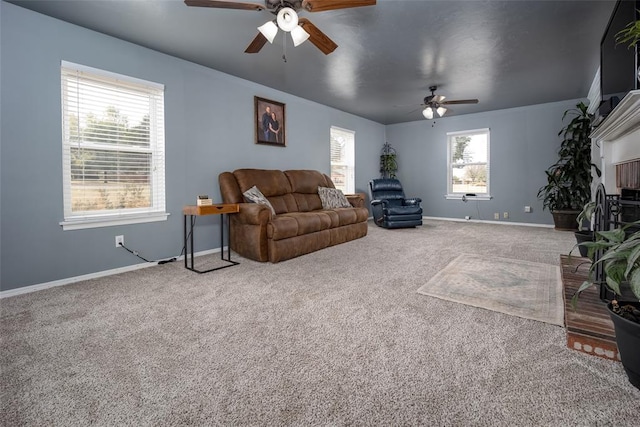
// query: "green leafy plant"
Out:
[586,213]
[629,34]
[620,259]
[569,179]
[388,161]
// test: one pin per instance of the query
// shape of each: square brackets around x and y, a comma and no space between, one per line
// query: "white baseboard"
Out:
[525,224]
[69,280]
[62,282]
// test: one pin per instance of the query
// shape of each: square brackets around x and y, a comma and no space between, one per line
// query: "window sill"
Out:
[460,197]
[106,221]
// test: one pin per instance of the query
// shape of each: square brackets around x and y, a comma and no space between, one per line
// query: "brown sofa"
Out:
[300,225]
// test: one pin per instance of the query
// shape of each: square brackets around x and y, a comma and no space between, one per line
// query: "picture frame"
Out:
[270,121]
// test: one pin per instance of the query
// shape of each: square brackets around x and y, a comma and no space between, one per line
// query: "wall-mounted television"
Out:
[618,62]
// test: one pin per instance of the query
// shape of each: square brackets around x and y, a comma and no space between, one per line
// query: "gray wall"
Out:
[524,142]
[209,129]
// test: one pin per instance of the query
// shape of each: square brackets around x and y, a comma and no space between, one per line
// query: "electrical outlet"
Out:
[496,215]
[119,241]
[527,209]
[467,217]
[505,215]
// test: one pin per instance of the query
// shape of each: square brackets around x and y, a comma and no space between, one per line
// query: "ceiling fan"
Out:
[287,20]
[436,103]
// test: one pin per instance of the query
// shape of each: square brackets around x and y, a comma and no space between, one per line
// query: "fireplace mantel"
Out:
[617,139]
[623,120]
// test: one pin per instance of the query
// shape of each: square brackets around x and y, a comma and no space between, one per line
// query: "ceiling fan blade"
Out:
[256,44]
[224,4]
[322,5]
[461,101]
[317,37]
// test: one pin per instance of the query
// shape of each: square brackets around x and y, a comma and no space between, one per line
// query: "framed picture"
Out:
[270,122]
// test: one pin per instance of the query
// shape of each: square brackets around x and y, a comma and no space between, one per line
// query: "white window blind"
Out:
[113,148]
[343,159]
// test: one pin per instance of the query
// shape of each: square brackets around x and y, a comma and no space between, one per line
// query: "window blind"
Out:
[342,154]
[113,144]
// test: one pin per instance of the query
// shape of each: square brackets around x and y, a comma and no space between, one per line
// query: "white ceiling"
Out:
[505,53]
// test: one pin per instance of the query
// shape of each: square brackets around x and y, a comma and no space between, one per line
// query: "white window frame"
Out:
[112,217]
[349,163]
[451,195]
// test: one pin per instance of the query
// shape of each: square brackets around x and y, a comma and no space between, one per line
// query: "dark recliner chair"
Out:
[390,208]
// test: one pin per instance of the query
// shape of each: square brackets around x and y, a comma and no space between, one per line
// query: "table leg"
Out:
[222,237]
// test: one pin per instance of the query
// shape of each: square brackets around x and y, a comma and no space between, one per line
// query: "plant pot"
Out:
[565,220]
[628,341]
[581,237]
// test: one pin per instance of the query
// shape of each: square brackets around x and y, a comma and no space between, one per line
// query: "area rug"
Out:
[520,288]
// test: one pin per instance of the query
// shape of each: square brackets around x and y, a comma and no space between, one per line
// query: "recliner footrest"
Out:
[403,210]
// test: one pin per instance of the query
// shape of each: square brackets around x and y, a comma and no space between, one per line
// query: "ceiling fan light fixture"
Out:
[428,113]
[269,30]
[287,19]
[441,111]
[299,35]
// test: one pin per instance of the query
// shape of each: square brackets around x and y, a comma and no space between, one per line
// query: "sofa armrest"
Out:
[379,202]
[413,201]
[356,200]
[253,213]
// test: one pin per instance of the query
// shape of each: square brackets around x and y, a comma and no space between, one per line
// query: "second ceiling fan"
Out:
[287,19]
[436,103]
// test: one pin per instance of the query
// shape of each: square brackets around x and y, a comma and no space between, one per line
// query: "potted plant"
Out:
[585,234]
[568,186]
[621,262]
[388,161]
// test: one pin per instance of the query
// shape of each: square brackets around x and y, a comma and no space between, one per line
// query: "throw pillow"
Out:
[254,195]
[332,198]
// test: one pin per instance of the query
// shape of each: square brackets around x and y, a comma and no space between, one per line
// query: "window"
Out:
[113,148]
[343,159]
[468,163]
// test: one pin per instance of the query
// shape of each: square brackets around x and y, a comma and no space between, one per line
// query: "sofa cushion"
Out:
[306,181]
[271,182]
[332,198]
[255,195]
[297,223]
[304,186]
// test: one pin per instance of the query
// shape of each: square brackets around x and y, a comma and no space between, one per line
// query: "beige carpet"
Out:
[339,337]
[530,290]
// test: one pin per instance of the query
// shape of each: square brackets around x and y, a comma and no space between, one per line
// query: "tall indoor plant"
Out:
[568,186]
[621,262]
[388,161]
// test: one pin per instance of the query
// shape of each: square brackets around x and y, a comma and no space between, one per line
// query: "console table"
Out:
[193,211]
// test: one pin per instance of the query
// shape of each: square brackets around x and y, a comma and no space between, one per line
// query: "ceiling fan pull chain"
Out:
[284,46]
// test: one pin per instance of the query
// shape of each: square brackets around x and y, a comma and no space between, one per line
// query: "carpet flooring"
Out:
[532,290]
[336,337]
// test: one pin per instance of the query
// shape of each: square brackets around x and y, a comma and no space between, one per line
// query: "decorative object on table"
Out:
[388,162]
[389,206]
[287,19]
[568,186]
[269,119]
[204,200]
[621,261]
[526,289]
